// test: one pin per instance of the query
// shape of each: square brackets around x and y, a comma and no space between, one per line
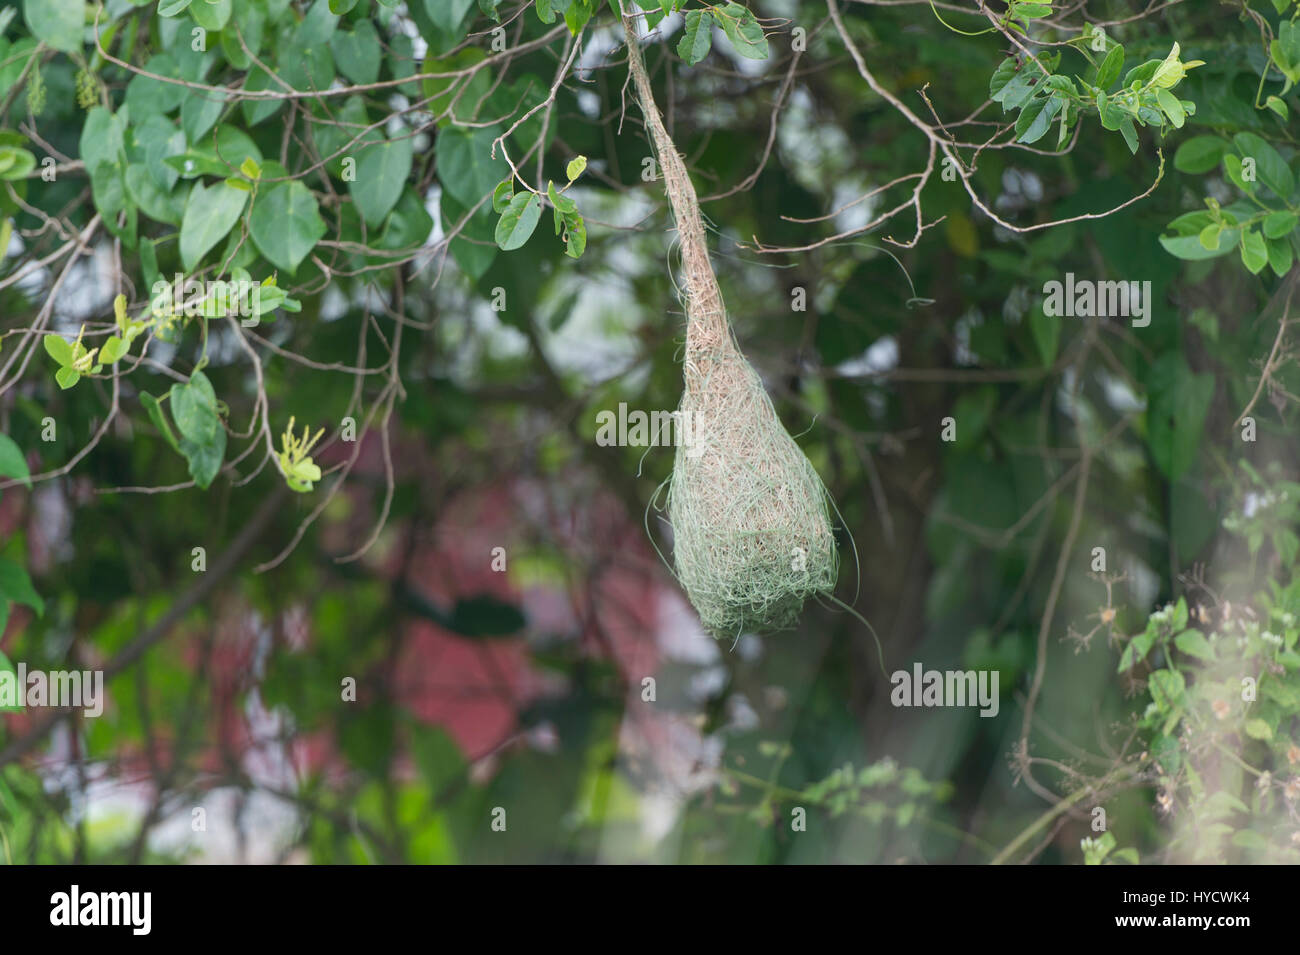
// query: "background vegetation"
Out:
[890,185]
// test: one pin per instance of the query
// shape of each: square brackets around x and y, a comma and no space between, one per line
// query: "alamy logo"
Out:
[1088,299]
[133,909]
[637,429]
[947,688]
[67,689]
[190,297]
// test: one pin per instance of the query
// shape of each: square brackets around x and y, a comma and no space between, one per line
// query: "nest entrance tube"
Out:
[751,518]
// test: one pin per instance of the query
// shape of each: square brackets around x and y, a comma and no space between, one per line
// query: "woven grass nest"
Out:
[751,518]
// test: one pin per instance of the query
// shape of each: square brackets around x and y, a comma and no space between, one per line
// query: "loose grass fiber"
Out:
[751,518]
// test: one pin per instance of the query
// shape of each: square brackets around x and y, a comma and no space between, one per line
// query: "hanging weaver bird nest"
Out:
[751,518]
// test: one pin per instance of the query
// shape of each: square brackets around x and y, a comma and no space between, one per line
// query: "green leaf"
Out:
[1193,643]
[111,199]
[285,224]
[154,201]
[1110,67]
[562,204]
[1258,729]
[228,148]
[67,377]
[317,26]
[1175,417]
[742,30]
[1046,330]
[58,348]
[697,38]
[576,168]
[146,96]
[1280,256]
[102,138]
[1036,118]
[1278,224]
[502,195]
[13,463]
[466,168]
[1188,228]
[575,17]
[1172,107]
[340,7]
[170,8]
[192,165]
[447,15]
[194,408]
[112,350]
[1288,35]
[408,225]
[1167,688]
[16,163]
[380,175]
[518,221]
[1179,403]
[1235,171]
[1013,83]
[474,247]
[1179,620]
[1249,838]
[205,459]
[151,143]
[210,214]
[1002,75]
[1200,154]
[211,14]
[1254,251]
[159,419]
[16,587]
[575,236]
[1271,168]
[305,65]
[262,108]
[357,53]
[59,24]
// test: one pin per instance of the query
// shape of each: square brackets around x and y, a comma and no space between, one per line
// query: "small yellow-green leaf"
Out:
[1258,729]
[58,348]
[113,350]
[1193,643]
